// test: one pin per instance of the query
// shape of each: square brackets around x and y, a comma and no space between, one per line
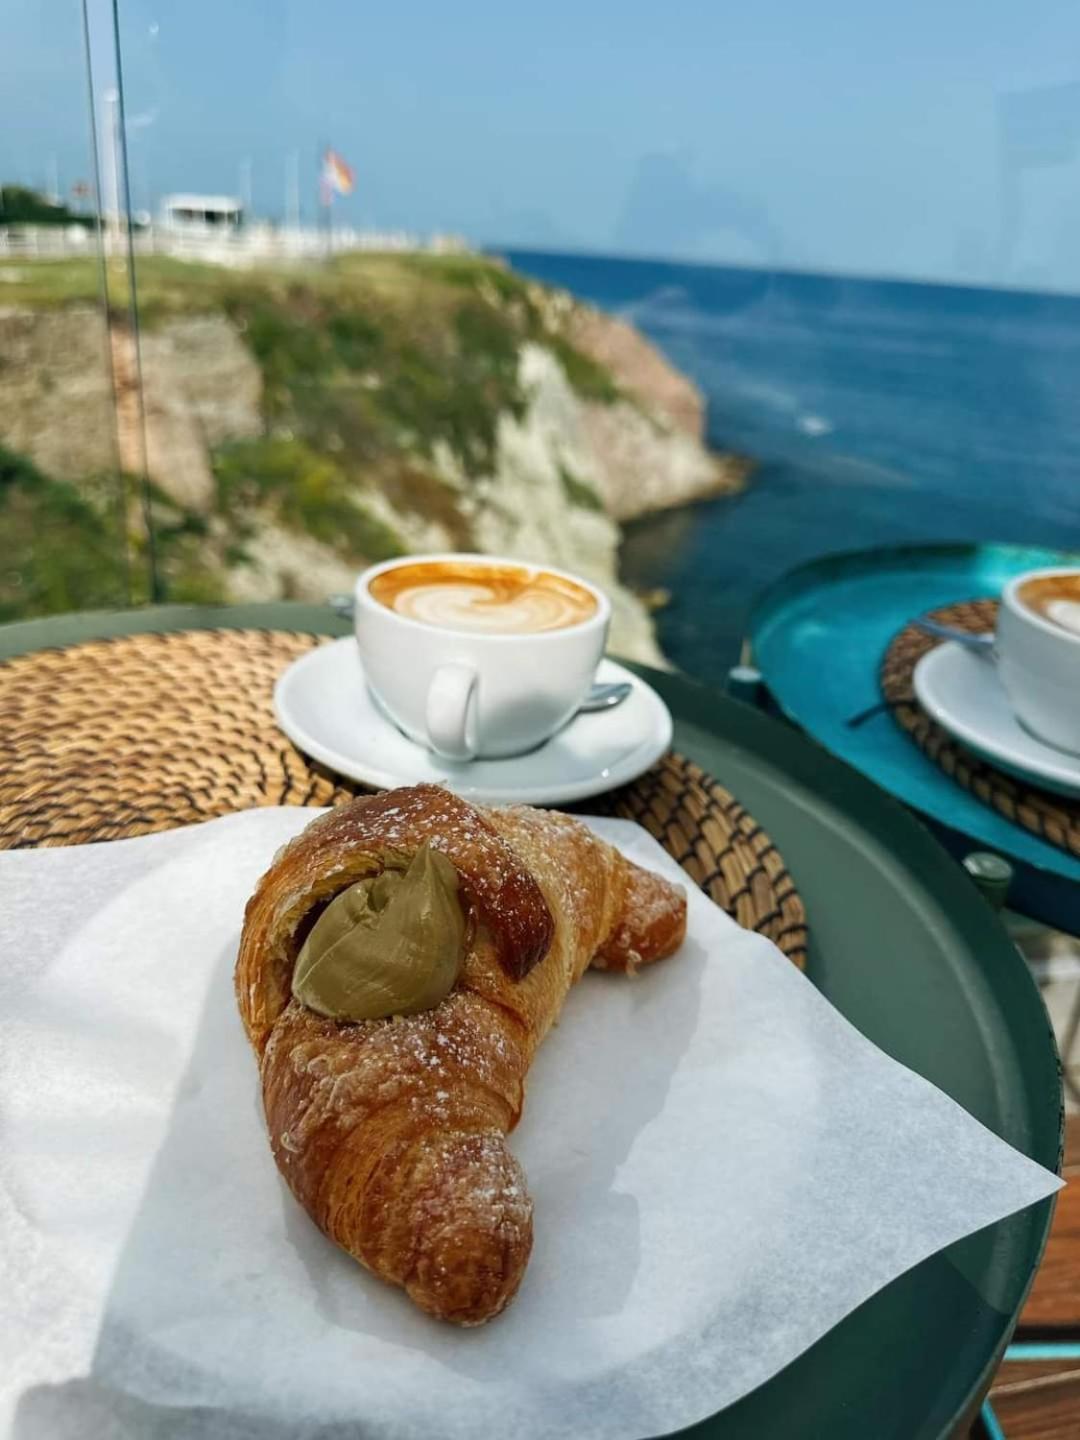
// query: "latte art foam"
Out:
[490,600]
[480,607]
[1065,613]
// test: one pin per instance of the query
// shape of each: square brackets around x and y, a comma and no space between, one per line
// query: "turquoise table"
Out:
[902,943]
[818,637]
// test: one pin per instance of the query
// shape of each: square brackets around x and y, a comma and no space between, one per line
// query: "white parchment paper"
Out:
[722,1169]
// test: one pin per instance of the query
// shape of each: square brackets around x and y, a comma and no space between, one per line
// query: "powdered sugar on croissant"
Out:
[391,1133]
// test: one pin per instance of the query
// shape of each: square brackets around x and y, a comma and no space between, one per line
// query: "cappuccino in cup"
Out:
[473,655]
[1038,646]
[483,599]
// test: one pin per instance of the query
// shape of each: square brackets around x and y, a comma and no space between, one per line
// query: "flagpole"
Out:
[326,196]
[121,496]
[292,190]
[246,194]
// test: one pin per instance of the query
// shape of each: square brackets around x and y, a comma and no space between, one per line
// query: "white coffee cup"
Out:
[1039,664]
[465,693]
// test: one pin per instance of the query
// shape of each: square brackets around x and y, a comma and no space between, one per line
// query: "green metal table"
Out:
[904,946]
[818,636]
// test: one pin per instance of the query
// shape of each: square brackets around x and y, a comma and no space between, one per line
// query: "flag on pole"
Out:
[337,178]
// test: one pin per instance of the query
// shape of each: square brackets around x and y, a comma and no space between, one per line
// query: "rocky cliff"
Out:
[301,424]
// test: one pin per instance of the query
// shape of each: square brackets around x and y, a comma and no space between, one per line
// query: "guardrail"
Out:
[251,245]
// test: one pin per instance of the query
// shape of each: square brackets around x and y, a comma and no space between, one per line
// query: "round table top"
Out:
[818,637]
[902,943]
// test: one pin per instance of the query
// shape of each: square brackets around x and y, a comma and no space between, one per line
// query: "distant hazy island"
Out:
[302,422]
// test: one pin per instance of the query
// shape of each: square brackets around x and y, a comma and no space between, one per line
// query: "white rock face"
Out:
[201,387]
[418,532]
[55,401]
[286,566]
[642,465]
[200,383]
[639,368]
[524,509]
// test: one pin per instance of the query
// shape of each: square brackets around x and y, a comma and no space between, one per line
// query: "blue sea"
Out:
[878,412]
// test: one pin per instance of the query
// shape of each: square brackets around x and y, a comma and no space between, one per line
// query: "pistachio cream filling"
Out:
[391,944]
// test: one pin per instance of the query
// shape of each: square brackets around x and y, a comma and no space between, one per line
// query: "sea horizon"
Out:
[804,272]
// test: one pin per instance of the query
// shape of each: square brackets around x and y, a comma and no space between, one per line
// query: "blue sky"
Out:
[930,140]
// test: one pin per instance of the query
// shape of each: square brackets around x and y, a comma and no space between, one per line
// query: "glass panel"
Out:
[63,531]
[848,259]
[821,292]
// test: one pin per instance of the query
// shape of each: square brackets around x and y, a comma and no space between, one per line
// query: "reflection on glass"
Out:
[62,527]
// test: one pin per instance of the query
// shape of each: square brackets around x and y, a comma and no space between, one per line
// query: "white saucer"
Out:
[324,706]
[963,693]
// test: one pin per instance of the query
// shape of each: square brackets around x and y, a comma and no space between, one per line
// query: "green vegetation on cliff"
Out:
[62,547]
[577,492]
[384,379]
[60,551]
[309,493]
[398,349]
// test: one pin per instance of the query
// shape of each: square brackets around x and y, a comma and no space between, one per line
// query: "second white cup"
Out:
[1039,663]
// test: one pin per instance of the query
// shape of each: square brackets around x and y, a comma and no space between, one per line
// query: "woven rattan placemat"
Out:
[1053,817]
[123,737]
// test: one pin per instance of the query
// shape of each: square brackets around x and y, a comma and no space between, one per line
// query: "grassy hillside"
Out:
[372,367]
[59,546]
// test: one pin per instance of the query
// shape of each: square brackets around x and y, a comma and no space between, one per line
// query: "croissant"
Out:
[392,1133]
